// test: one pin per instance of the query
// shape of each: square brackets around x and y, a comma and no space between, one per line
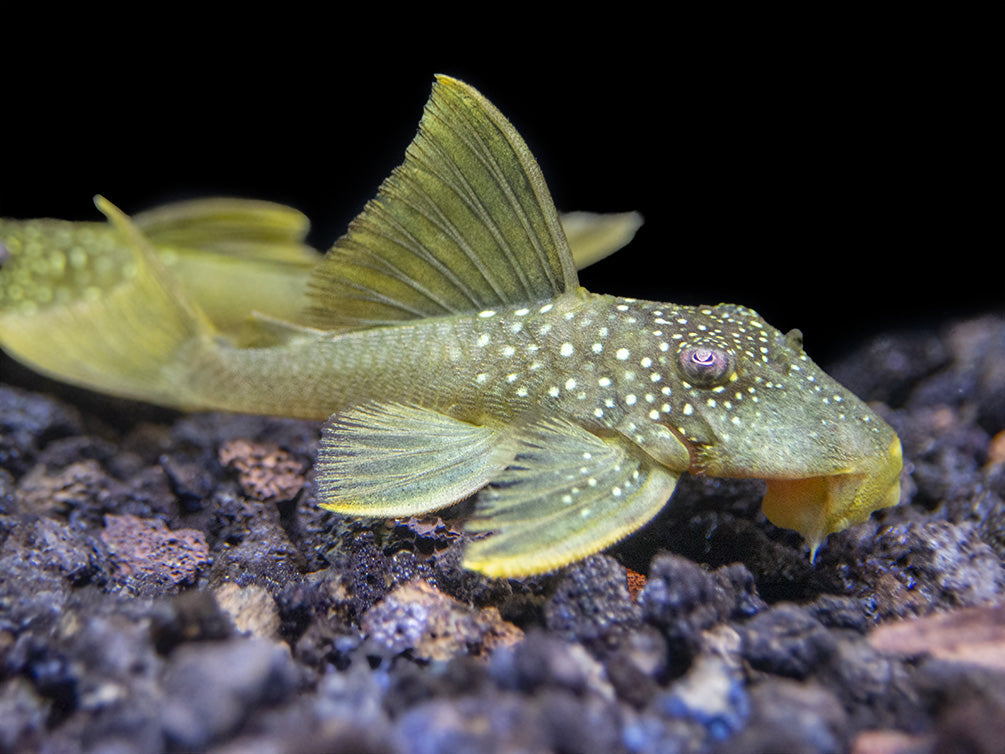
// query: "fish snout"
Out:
[820,505]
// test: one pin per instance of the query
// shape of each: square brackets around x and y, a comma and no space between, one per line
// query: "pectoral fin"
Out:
[386,459]
[567,494]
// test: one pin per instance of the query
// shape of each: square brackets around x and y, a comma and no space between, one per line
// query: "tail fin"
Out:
[93,305]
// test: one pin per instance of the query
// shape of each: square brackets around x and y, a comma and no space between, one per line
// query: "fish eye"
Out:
[705,366]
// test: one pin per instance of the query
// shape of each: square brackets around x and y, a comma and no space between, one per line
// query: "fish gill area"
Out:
[168,584]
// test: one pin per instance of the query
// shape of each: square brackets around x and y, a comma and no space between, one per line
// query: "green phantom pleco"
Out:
[446,340]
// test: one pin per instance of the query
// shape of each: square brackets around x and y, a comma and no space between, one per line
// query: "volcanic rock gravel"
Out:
[168,583]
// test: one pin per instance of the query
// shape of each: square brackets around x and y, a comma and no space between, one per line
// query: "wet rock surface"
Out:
[168,583]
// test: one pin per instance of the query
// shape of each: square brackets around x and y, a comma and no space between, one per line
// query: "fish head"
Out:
[756,406]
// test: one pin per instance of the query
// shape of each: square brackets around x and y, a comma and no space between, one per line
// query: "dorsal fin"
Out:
[464,224]
[235,258]
[251,229]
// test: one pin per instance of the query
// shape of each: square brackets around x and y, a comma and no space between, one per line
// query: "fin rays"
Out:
[466,192]
[556,491]
[463,224]
[567,494]
[432,212]
[411,244]
[388,459]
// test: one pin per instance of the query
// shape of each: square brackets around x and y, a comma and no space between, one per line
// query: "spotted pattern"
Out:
[53,263]
[613,364]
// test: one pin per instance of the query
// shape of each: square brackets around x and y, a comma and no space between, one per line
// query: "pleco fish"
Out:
[448,344]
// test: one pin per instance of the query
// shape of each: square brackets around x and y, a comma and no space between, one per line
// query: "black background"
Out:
[838,182]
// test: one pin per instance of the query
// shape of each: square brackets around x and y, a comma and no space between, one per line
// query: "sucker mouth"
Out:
[816,506]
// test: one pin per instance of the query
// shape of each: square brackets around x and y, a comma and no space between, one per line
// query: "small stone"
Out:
[266,472]
[420,618]
[682,599]
[786,640]
[891,742]
[974,636]
[211,689]
[792,717]
[144,553]
[27,421]
[542,661]
[251,608]
[592,602]
[74,486]
[710,694]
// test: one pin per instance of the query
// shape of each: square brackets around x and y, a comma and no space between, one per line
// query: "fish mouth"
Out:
[816,506]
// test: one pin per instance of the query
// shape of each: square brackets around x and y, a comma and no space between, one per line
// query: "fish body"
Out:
[451,350]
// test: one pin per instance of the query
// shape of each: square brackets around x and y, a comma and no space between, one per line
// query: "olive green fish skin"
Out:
[448,344]
[606,363]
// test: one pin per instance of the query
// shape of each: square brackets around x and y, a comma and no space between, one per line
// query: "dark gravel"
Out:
[167,584]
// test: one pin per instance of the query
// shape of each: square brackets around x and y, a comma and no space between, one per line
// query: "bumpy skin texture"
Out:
[449,343]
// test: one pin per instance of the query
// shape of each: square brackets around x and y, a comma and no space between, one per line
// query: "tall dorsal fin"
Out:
[464,224]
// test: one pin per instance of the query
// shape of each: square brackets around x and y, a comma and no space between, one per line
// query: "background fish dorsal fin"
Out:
[465,223]
[234,258]
[248,228]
